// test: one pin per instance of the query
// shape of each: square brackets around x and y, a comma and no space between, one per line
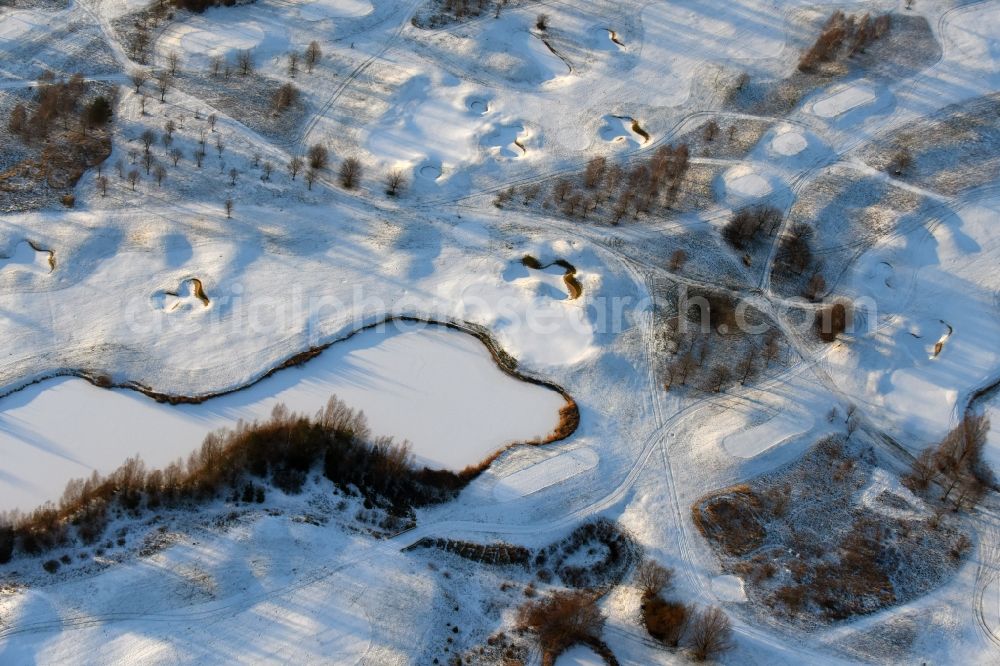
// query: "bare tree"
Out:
[666,621]
[233,173]
[142,103]
[148,161]
[683,366]
[318,156]
[313,54]
[746,367]
[176,155]
[711,634]
[771,348]
[148,138]
[652,577]
[293,63]
[133,178]
[162,85]
[749,223]
[310,177]
[138,77]
[677,260]
[167,141]
[159,173]
[970,493]
[102,185]
[395,180]
[922,471]
[266,169]
[212,119]
[18,122]
[594,173]
[562,188]
[901,162]
[284,97]
[710,131]
[350,172]
[229,208]
[815,287]
[562,619]
[294,166]
[795,253]
[199,157]
[219,146]
[170,127]
[244,62]
[720,376]
[173,61]
[120,168]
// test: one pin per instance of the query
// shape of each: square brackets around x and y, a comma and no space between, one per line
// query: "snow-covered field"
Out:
[156,284]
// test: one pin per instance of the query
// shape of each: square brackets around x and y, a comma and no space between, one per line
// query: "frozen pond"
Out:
[434,386]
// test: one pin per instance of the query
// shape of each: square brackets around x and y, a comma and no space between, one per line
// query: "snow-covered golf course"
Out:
[635,225]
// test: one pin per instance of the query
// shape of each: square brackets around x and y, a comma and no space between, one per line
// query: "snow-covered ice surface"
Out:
[465,111]
[437,388]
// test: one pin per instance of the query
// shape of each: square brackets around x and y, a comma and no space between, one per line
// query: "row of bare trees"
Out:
[317,159]
[845,35]
[281,450]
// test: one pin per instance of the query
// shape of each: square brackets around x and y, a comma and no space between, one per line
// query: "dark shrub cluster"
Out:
[749,224]
[595,555]
[58,106]
[706,633]
[795,253]
[832,320]
[493,553]
[564,619]
[66,126]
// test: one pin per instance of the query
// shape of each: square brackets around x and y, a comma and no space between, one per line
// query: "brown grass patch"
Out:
[730,519]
